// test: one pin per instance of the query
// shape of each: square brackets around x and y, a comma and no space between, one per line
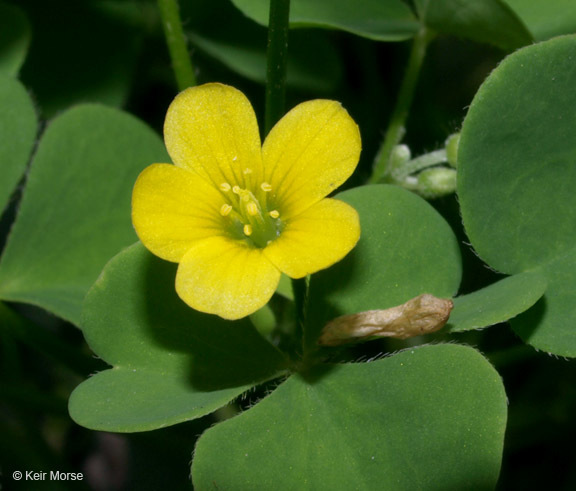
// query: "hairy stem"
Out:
[419,163]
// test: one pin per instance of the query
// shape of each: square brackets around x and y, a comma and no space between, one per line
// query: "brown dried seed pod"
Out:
[420,315]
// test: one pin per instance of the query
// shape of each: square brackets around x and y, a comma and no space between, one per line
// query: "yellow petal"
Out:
[316,239]
[226,277]
[212,129]
[310,152]
[173,208]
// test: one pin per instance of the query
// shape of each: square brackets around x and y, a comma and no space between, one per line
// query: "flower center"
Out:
[250,212]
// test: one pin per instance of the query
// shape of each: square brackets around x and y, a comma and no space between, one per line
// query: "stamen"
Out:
[252,209]
[225,210]
[247,170]
[248,213]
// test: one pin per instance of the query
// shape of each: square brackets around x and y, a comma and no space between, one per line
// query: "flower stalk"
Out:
[277,59]
[176,41]
[396,128]
[418,164]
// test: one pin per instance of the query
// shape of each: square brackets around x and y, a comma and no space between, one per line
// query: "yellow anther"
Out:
[236,189]
[247,170]
[274,213]
[248,230]
[225,210]
[266,187]
[252,208]
[225,187]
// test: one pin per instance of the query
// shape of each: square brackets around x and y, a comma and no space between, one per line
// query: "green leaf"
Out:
[75,212]
[85,53]
[516,180]
[312,61]
[429,418]
[381,20]
[518,155]
[171,363]
[129,400]
[14,38]
[484,21]
[549,326]
[496,303]
[546,19]
[18,126]
[406,249]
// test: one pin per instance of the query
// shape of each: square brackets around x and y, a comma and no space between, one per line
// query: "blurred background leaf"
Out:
[14,38]
[382,20]
[546,19]
[68,64]
[320,71]
[18,127]
[484,21]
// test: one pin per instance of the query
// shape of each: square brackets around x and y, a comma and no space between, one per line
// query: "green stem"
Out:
[418,164]
[300,290]
[172,25]
[396,127]
[277,57]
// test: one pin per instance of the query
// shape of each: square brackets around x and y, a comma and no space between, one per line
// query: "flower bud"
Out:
[400,154]
[436,182]
[451,145]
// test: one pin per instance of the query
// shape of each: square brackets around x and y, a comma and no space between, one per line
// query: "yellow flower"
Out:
[235,214]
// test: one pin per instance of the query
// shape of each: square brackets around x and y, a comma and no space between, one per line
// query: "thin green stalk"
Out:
[172,25]
[419,163]
[396,127]
[277,58]
[300,290]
